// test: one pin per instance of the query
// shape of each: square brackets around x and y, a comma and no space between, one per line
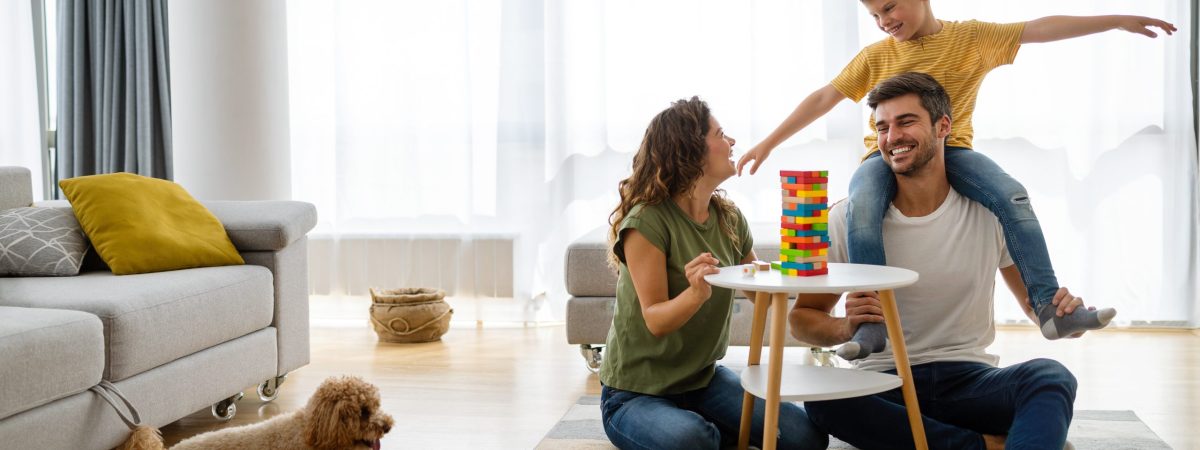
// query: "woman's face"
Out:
[719,163]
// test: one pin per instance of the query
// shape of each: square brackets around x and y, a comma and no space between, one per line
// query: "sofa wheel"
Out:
[224,410]
[592,357]
[269,390]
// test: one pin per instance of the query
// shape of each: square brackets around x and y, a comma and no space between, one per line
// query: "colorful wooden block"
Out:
[803,259]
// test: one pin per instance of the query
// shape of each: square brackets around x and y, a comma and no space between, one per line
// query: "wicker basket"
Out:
[410,314]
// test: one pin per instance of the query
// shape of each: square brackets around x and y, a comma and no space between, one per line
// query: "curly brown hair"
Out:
[668,163]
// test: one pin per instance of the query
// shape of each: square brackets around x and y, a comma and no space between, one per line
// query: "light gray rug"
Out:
[580,429]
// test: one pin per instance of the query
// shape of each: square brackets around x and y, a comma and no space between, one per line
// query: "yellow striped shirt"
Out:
[958,57]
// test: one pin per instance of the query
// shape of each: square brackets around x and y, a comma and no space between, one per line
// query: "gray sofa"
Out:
[173,342]
[592,286]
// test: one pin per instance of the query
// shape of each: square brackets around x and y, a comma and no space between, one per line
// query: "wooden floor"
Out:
[504,387]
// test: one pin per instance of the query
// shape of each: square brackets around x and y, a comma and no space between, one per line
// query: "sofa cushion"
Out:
[45,355]
[588,273]
[151,319]
[40,242]
[140,224]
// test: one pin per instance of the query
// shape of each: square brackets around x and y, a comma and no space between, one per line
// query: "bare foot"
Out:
[993,442]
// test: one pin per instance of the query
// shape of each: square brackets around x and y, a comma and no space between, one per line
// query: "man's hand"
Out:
[861,307]
[696,269]
[1141,25]
[758,154]
[1066,304]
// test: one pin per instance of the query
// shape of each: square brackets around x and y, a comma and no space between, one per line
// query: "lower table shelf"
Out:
[812,383]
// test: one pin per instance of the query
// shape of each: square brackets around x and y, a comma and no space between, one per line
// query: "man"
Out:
[956,245]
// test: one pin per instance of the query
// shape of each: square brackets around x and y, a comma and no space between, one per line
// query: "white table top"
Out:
[841,278]
[813,383]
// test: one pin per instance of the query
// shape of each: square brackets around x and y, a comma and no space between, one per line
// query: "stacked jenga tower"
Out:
[804,229]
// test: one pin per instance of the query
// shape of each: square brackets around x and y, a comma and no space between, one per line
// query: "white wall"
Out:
[229,95]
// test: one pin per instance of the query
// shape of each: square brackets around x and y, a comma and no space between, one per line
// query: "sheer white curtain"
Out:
[19,142]
[466,122]
[1100,130]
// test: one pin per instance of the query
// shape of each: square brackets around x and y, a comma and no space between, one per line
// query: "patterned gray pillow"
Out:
[40,242]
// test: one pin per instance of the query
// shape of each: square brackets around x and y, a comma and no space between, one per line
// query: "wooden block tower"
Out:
[804,227]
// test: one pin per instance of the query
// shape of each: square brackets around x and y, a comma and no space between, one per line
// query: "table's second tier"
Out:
[801,383]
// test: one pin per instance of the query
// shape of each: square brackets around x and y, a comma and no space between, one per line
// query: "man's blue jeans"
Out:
[976,177]
[707,418]
[1031,402]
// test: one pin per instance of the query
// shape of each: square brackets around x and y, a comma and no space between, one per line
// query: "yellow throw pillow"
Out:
[140,224]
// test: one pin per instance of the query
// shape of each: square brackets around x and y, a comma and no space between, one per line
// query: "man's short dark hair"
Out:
[932,94]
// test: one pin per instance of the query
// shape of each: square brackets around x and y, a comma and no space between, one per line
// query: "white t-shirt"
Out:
[947,315]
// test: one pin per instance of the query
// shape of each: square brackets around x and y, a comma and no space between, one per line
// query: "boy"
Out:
[958,55]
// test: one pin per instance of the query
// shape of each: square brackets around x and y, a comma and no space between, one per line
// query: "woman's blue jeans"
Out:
[707,418]
[1031,402]
[976,177]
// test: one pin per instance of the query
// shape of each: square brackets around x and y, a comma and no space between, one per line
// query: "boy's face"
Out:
[901,19]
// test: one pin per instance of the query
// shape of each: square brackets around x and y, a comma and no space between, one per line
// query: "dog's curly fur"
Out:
[343,414]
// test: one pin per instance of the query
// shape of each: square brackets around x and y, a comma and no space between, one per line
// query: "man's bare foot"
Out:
[993,442]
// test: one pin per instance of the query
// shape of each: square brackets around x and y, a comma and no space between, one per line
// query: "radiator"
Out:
[464,266]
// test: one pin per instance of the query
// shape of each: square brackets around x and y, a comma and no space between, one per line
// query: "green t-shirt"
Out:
[684,360]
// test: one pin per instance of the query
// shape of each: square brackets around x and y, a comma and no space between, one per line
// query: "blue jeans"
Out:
[976,177]
[707,418]
[1031,402]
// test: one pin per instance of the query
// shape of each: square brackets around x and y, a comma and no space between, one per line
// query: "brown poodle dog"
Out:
[343,414]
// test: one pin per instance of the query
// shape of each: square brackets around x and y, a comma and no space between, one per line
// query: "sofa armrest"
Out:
[264,225]
[16,187]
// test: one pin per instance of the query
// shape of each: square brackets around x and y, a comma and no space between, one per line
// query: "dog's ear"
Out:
[143,438]
[329,423]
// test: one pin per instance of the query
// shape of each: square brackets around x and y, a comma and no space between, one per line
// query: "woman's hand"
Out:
[861,307]
[696,269]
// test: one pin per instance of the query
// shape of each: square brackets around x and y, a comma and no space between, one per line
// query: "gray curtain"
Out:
[114,90]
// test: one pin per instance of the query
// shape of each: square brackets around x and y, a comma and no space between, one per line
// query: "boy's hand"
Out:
[1141,25]
[758,154]
[861,307]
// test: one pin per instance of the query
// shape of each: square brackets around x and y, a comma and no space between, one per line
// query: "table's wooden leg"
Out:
[779,314]
[891,315]
[761,301]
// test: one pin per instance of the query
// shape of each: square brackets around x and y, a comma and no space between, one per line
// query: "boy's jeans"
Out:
[1031,402]
[976,177]
[707,418]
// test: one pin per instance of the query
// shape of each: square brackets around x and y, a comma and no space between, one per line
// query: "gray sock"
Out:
[1082,319]
[869,338]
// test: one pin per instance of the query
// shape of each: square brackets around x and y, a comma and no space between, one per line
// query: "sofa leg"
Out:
[269,390]
[592,356]
[224,410]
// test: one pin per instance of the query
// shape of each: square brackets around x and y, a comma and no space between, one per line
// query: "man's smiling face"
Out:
[908,138]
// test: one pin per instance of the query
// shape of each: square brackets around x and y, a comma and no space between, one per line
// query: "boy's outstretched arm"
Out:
[1057,28]
[812,108]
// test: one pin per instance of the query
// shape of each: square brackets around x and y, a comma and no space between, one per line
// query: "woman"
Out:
[662,387]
